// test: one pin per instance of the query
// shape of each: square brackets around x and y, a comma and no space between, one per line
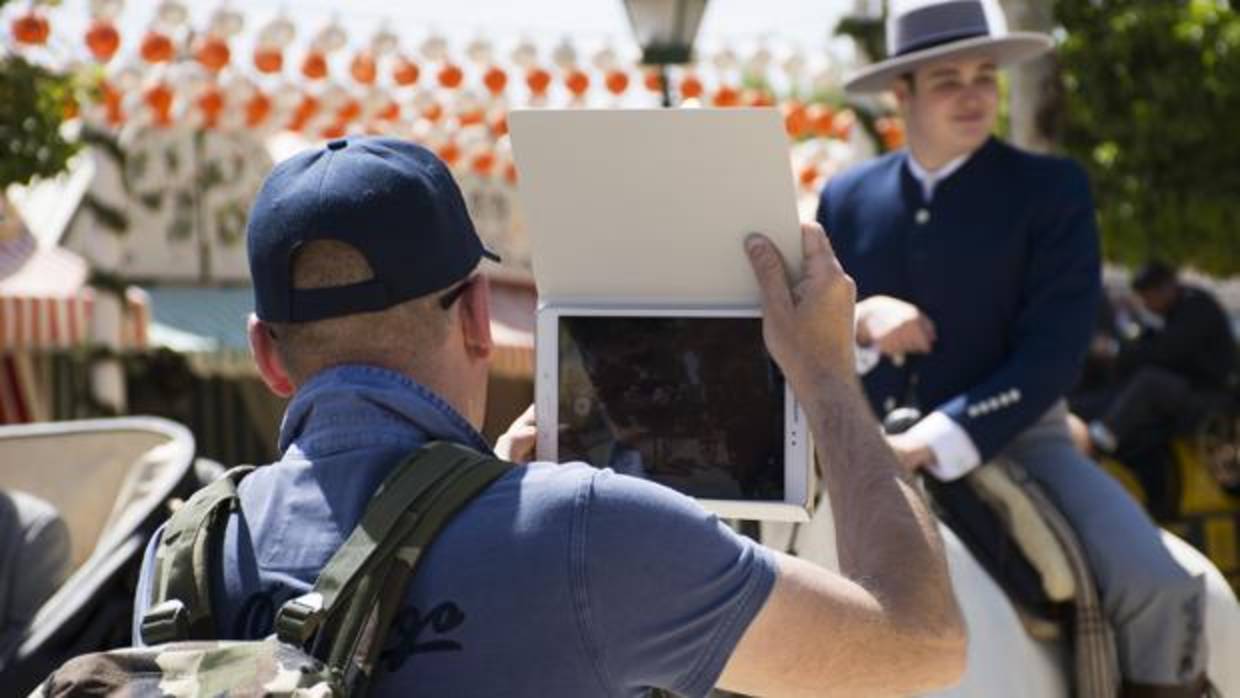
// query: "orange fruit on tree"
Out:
[538,80]
[112,111]
[314,66]
[31,28]
[213,53]
[807,176]
[363,68]
[211,103]
[102,40]
[336,130]
[499,124]
[268,59]
[495,80]
[156,47]
[450,76]
[471,117]
[405,72]
[159,99]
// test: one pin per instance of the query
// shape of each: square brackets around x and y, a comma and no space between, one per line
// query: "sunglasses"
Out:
[447,299]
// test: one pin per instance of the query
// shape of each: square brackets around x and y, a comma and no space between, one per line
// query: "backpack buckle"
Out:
[165,622]
[299,619]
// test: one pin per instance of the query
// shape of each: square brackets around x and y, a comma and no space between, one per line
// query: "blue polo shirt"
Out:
[558,580]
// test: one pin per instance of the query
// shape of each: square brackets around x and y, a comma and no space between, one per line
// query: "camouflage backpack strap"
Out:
[180,604]
[351,607]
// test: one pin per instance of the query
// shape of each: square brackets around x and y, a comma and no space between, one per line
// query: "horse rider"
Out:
[978,268]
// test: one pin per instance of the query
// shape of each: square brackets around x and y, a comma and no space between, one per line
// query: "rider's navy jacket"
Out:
[1004,260]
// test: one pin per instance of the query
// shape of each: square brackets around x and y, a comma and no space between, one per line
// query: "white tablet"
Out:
[686,398]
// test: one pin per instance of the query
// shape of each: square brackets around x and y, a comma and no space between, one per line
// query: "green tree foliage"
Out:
[33,101]
[1153,90]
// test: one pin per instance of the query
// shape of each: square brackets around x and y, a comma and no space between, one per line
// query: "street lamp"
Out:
[665,29]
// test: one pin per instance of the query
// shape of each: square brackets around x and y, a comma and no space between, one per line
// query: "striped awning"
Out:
[47,323]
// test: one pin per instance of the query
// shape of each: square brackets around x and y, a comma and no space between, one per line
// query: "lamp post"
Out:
[665,29]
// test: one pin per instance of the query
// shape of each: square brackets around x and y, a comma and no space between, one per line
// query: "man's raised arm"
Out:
[888,624]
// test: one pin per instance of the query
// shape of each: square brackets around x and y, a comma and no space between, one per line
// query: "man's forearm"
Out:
[886,537]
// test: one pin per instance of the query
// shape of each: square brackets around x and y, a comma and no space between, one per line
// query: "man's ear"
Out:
[475,318]
[270,366]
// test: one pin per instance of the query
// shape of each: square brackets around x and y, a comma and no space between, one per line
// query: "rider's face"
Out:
[950,106]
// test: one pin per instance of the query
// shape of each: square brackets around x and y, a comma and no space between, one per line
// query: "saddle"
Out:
[1026,545]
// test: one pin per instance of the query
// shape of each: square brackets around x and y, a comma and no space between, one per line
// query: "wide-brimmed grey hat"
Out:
[922,31]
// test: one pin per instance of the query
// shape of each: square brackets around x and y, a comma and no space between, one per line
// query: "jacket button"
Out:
[923,216]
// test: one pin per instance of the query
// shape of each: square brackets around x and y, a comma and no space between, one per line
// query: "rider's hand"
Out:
[913,454]
[808,325]
[893,326]
[517,443]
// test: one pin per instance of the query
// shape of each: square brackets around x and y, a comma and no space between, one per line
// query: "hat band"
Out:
[938,24]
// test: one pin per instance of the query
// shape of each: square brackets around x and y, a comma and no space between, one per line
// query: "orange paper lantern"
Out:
[617,82]
[156,48]
[499,124]
[538,80]
[433,112]
[471,117]
[450,76]
[510,173]
[213,53]
[495,80]
[314,66]
[159,99]
[336,130]
[405,72]
[306,109]
[363,68]
[349,111]
[31,28]
[268,59]
[211,103]
[577,82]
[482,163]
[795,120]
[653,81]
[727,97]
[112,111]
[821,118]
[690,87]
[808,176]
[103,40]
[257,109]
[390,112]
[449,153]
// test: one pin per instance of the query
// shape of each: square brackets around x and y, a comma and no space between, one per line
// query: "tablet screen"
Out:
[692,403]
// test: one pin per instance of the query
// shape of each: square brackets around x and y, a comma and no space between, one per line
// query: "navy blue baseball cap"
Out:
[392,200]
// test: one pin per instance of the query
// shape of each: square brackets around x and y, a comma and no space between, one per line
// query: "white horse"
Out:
[1003,659]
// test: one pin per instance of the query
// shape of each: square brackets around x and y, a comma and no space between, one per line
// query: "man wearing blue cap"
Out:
[556,580]
[978,269]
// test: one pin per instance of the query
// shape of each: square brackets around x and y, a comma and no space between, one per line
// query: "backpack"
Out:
[326,642]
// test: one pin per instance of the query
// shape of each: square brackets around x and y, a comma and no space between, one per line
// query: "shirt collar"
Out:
[929,180]
[355,403]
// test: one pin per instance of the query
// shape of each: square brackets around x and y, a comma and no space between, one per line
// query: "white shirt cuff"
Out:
[866,358]
[954,452]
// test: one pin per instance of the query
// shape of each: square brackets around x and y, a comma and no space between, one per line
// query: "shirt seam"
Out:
[583,615]
[727,628]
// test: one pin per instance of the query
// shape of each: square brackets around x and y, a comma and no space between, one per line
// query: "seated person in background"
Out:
[34,560]
[1180,365]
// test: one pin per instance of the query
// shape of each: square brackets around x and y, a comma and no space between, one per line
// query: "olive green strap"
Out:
[419,496]
[180,604]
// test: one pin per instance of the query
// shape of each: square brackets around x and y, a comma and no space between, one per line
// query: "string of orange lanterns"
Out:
[430,98]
